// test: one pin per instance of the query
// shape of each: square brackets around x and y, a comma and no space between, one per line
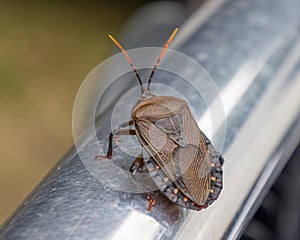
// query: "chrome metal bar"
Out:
[251,49]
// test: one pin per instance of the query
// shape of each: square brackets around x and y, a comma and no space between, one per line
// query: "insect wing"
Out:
[173,127]
[157,144]
[176,143]
[192,172]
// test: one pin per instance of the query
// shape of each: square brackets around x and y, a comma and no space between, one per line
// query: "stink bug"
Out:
[183,163]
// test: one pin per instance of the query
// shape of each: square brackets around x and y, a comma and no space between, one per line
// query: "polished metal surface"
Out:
[251,49]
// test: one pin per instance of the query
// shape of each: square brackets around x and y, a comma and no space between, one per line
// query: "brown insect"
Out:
[183,164]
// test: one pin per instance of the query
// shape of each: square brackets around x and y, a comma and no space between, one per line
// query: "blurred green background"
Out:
[46,50]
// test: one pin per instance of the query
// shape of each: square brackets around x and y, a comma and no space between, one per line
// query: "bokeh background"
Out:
[46,50]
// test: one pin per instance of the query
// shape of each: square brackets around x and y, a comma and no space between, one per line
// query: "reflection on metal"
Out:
[251,49]
[136,221]
[196,20]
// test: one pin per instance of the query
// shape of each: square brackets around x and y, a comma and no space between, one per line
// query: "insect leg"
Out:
[151,202]
[117,132]
[137,164]
[126,124]
[136,167]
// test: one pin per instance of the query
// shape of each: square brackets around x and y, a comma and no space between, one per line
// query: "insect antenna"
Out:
[160,56]
[128,59]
